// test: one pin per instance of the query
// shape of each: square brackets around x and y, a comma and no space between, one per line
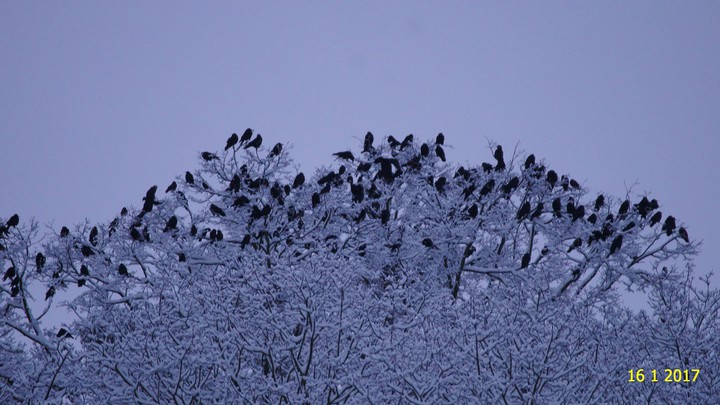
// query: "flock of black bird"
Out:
[368,195]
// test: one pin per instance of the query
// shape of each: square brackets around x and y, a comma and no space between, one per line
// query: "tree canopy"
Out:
[391,276]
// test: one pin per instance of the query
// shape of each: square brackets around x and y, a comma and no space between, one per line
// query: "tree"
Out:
[391,277]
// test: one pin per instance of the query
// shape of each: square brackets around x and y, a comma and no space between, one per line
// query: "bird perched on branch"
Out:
[368,143]
[232,141]
[255,143]
[207,156]
[246,136]
[275,150]
[500,166]
[346,155]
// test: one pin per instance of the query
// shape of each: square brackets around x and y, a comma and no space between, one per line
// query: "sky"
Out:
[101,100]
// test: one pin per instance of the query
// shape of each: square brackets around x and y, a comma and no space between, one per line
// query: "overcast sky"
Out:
[101,100]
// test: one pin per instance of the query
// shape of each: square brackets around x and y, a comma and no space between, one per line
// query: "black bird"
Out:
[193,230]
[315,200]
[427,242]
[171,187]
[347,155]
[592,219]
[207,156]
[123,212]
[557,207]
[182,257]
[64,332]
[564,183]
[299,180]
[473,211]
[93,236]
[669,225]
[13,221]
[40,261]
[407,141]
[245,240]
[240,201]
[655,218]
[276,150]
[246,136]
[684,235]
[171,224]
[524,211]
[574,184]
[64,231]
[217,210]
[122,270]
[529,161]
[579,213]
[488,187]
[570,208]
[50,292]
[525,260]
[440,152]
[357,192]
[231,141]
[364,167]
[84,271]
[255,143]
[440,184]
[424,150]
[468,191]
[487,167]
[538,211]
[500,166]
[394,143]
[135,234]
[552,177]
[385,216]
[368,143]
[440,139]
[9,273]
[511,185]
[189,179]
[576,244]
[149,199]
[616,244]
[624,207]
[599,202]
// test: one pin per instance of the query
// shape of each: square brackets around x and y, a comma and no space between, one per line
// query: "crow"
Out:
[231,141]
[407,141]
[122,270]
[574,184]
[523,212]
[40,261]
[189,179]
[487,167]
[385,216]
[246,136]
[276,150]
[217,210]
[530,161]
[557,207]
[538,211]
[564,183]
[440,184]
[468,191]
[669,225]
[488,187]
[64,231]
[315,200]
[346,155]
[576,244]
[427,242]
[299,180]
[171,187]
[193,230]
[656,218]
[599,202]
[615,245]
[50,292]
[93,236]
[182,257]
[149,199]
[629,226]
[171,224]
[552,178]
[9,273]
[135,234]
[123,211]
[579,213]
[207,156]
[684,235]
[473,211]
[84,271]
[440,139]
[624,207]
[592,219]
[368,143]
[424,150]
[525,260]
[440,152]
[500,166]
[13,221]
[394,143]
[240,201]
[64,332]
[357,192]
[255,143]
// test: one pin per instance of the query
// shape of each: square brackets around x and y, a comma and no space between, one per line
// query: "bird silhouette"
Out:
[538,211]
[500,159]
[440,139]
[525,260]
[473,211]
[487,167]
[217,210]
[246,136]
[171,224]
[524,211]
[189,178]
[656,218]
[576,244]
[315,200]
[684,235]
[427,242]
[207,156]
[407,141]
[123,270]
[13,221]
[624,207]
[232,141]
[394,143]
[669,225]
[299,180]
[50,292]
[599,202]
[440,152]
[368,143]
[93,236]
[171,187]
[346,155]
[530,161]
[255,143]
[64,231]
[552,178]
[440,184]
[40,261]
[276,150]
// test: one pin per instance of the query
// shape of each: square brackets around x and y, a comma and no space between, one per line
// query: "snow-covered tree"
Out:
[390,277]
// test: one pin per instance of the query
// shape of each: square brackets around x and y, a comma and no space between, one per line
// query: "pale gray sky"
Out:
[101,100]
